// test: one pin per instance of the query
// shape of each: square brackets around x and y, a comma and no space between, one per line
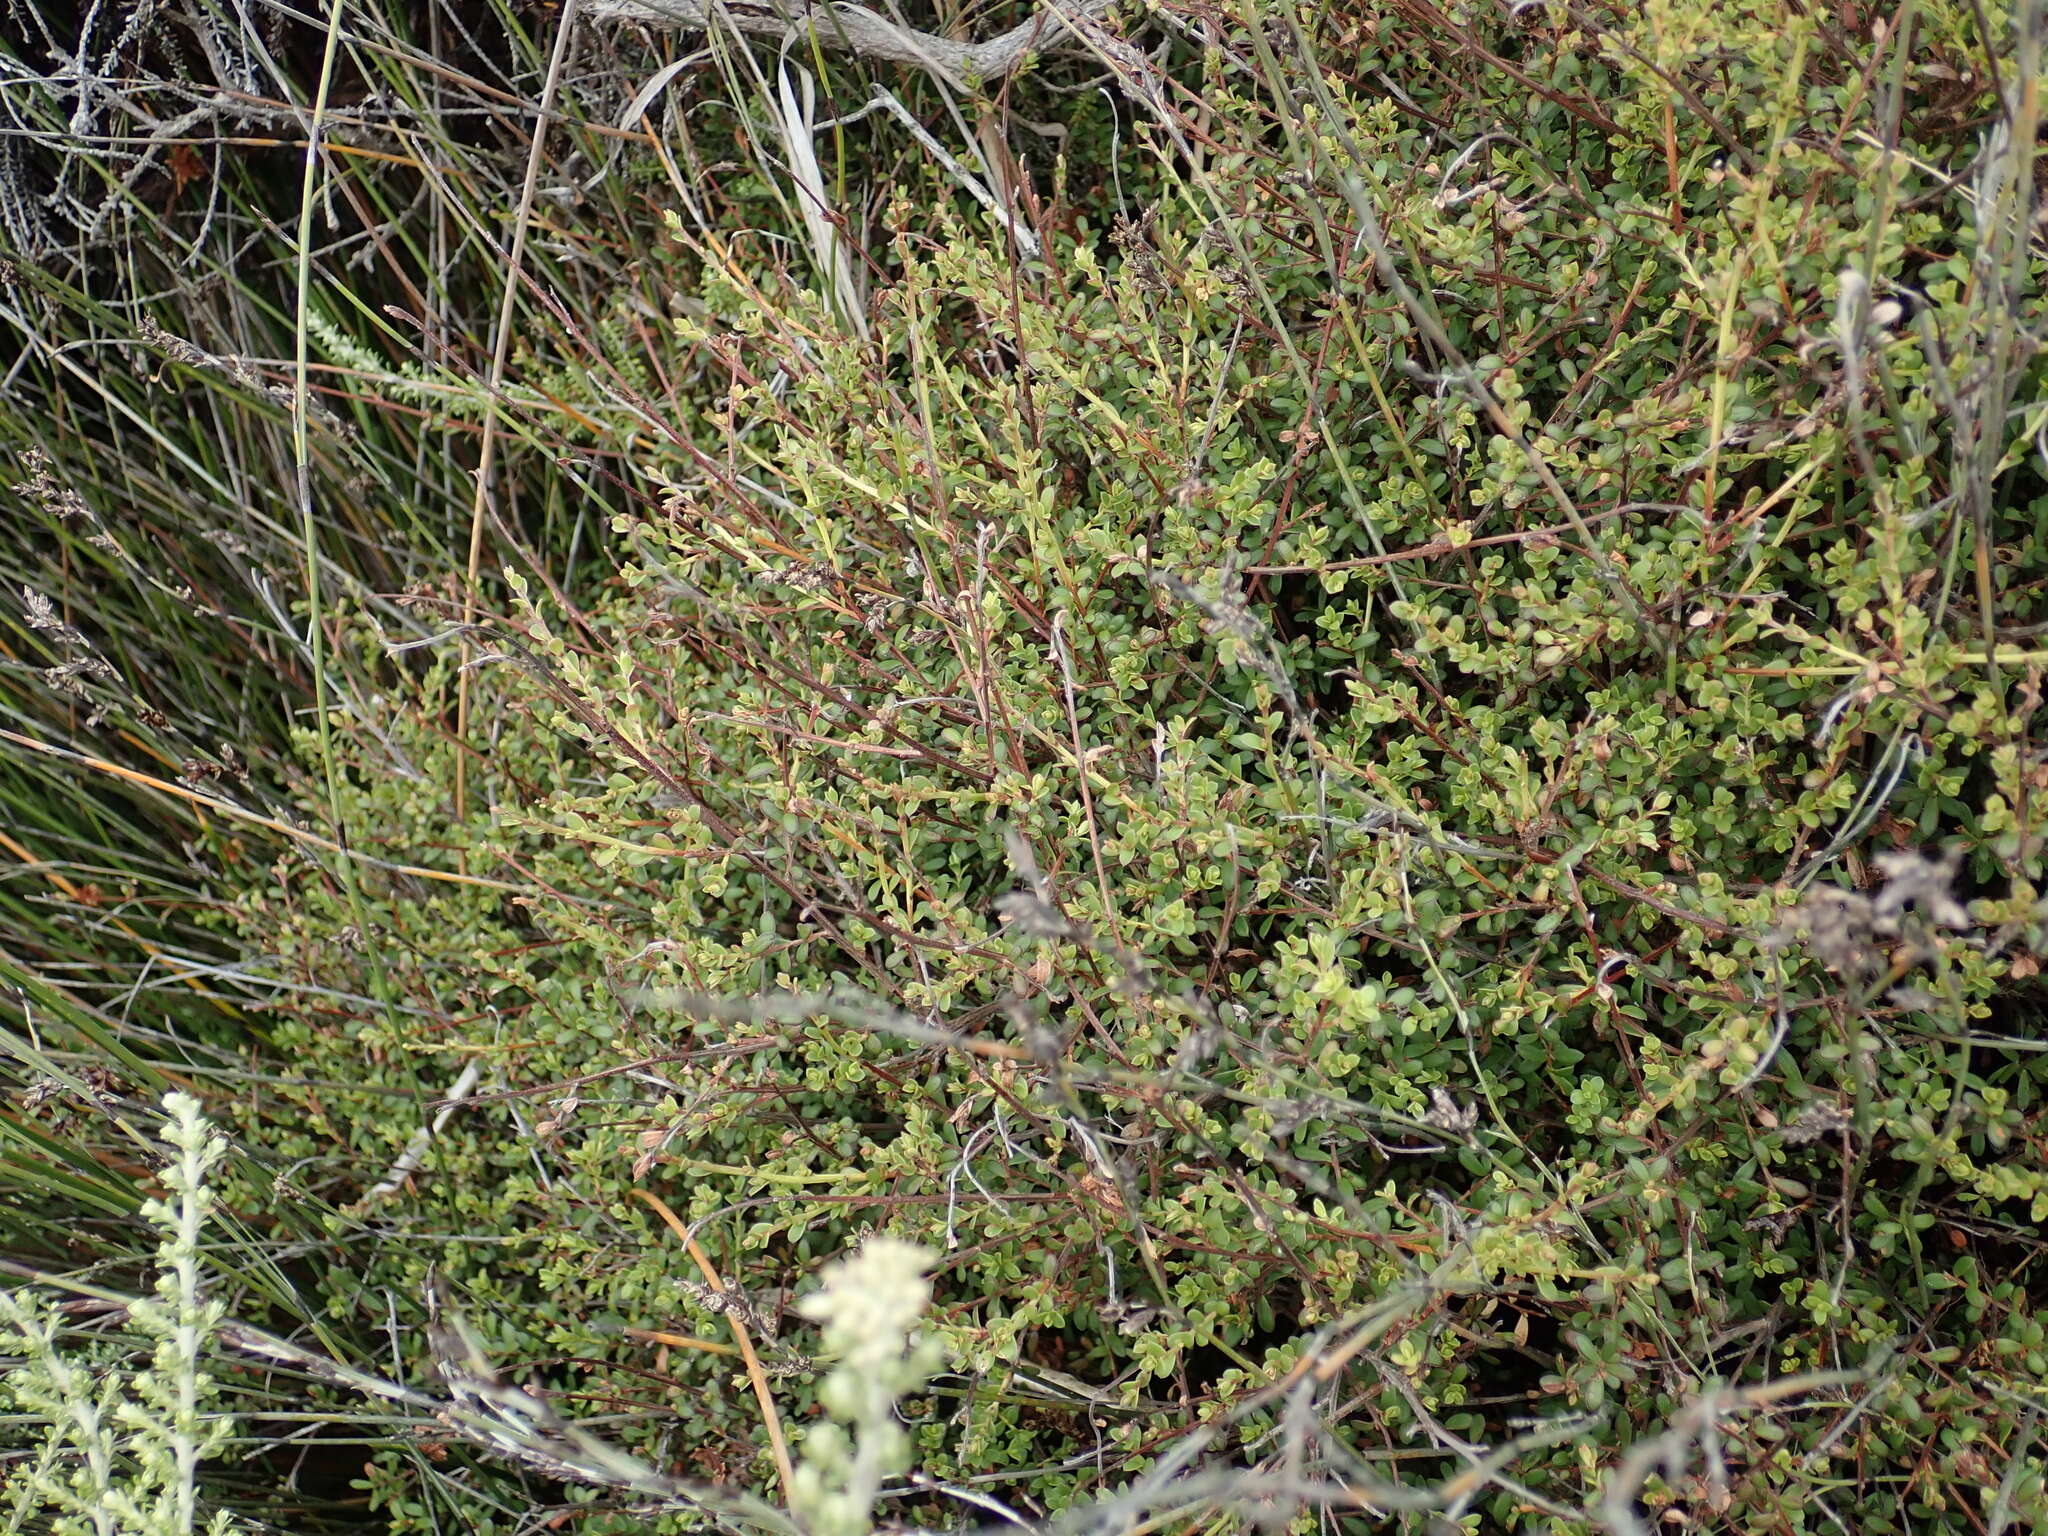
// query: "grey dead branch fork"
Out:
[856,29]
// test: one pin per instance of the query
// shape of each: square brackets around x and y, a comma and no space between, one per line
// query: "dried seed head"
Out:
[1852,932]
[1837,926]
[42,615]
[41,487]
[1446,1114]
[39,1093]
[800,578]
[1130,1318]
[725,1304]
[1821,1118]
[1139,259]
[1914,880]
[1773,1223]
[89,667]
[227,541]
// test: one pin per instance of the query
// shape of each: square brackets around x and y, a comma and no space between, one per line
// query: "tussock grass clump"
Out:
[1370,756]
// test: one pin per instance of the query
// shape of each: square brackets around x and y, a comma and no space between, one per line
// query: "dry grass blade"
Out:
[796,101]
[771,1419]
[235,812]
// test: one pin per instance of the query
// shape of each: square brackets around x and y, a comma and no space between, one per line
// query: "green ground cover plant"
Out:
[1321,721]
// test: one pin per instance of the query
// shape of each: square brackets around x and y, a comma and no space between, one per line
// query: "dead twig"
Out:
[1699,1424]
[416,1149]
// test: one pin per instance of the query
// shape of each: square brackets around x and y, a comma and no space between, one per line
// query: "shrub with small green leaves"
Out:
[1393,800]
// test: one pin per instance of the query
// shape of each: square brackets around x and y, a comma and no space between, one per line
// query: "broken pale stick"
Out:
[415,1151]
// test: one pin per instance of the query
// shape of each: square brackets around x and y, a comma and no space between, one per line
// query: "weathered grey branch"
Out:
[858,30]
